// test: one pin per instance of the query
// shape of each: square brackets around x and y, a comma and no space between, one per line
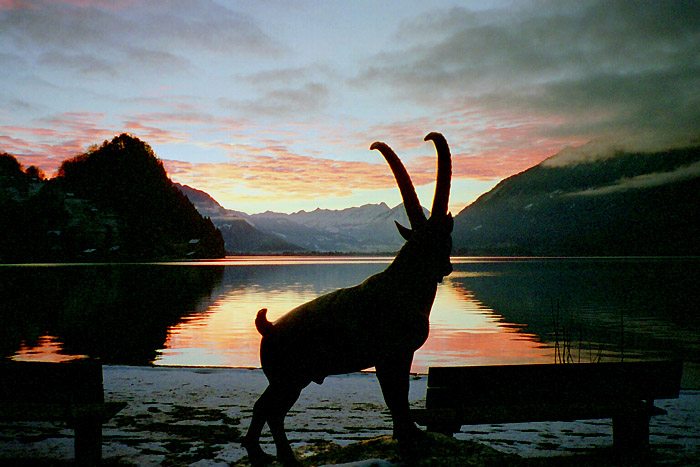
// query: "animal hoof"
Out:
[410,434]
[412,443]
[256,456]
[261,460]
[292,462]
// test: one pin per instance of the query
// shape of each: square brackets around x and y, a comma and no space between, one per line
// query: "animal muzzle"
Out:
[446,271]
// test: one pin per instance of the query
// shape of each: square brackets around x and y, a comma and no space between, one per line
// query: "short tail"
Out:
[262,324]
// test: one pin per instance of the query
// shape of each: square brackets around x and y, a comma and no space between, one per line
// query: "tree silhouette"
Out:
[35,172]
[124,177]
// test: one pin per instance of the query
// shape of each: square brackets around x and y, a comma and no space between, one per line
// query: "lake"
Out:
[488,311]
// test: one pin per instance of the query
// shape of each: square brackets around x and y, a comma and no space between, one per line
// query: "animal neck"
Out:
[409,269]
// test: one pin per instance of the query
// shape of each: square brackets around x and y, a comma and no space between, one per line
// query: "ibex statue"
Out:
[379,323]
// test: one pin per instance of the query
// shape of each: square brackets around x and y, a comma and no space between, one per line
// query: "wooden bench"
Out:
[625,392]
[71,392]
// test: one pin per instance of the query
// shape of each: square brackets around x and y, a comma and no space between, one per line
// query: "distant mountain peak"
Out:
[368,228]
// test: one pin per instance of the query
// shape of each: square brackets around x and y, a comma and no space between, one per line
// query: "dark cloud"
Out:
[155,25]
[84,64]
[613,66]
[297,102]
[284,76]
[18,105]
[158,60]
[205,25]
[60,26]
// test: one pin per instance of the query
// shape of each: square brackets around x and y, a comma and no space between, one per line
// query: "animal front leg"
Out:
[393,376]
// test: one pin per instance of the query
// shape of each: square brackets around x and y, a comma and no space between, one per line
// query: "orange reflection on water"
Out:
[262,260]
[463,332]
[48,349]
[225,334]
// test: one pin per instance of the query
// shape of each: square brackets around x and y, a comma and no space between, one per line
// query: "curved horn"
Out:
[414,211]
[444,174]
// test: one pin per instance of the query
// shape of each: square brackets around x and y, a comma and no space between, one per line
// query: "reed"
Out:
[565,350]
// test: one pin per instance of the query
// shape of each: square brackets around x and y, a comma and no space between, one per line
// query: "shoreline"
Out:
[690,379]
[196,416]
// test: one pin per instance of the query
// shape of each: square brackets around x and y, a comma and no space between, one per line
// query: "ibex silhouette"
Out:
[379,323]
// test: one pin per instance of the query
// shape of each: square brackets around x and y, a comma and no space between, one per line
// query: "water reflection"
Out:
[119,313]
[464,331]
[489,311]
[625,308]
[225,335]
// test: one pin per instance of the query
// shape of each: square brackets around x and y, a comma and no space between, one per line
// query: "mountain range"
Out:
[365,229]
[578,202]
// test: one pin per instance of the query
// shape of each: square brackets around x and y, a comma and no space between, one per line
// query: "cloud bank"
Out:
[590,69]
[250,87]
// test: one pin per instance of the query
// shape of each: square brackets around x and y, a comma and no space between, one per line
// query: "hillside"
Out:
[238,233]
[621,204]
[112,203]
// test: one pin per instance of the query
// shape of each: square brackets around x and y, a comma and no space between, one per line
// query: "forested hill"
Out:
[112,203]
[638,204]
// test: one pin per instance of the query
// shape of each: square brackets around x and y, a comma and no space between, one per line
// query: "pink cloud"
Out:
[403,136]
[285,175]
[58,138]
[265,163]
[154,135]
[34,4]
[16,4]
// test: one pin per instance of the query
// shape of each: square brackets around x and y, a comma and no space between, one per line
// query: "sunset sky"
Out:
[272,105]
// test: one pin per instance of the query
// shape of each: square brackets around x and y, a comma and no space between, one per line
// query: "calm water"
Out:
[488,311]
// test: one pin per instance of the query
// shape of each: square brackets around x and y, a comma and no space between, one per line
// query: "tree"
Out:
[35,172]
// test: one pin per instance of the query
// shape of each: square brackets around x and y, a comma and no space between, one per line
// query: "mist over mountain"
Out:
[617,203]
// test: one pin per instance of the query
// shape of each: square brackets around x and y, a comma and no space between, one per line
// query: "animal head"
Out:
[431,237]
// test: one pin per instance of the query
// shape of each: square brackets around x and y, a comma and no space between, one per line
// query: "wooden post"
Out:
[631,430]
[88,441]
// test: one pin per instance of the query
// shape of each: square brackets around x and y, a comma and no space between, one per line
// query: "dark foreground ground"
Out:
[196,416]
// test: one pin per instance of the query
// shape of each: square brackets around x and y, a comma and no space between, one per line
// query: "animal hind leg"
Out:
[251,441]
[282,398]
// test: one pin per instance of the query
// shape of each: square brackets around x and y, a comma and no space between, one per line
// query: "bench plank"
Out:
[497,414]
[498,394]
[521,384]
[68,382]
